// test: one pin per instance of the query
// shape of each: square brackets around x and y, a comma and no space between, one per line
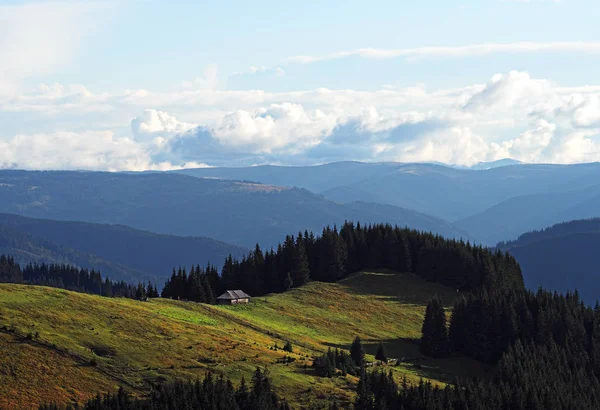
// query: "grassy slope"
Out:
[139,343]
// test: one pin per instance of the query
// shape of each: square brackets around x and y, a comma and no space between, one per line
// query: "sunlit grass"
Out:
[139,343]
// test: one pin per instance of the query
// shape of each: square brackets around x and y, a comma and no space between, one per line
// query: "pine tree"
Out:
[357,352]
[381,354]
[208,292]
[300,269]
[288,283]
[434,339]
[140,293]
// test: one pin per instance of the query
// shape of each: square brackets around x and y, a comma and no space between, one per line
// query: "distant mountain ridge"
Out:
[236,212]
[532,212]
[25,249]
[119,252]
[560,258]
[447,192]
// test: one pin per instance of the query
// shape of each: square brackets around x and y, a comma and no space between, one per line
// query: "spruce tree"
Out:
[381,354]
[300,269]
[357,352]
[288,283]
[434,339]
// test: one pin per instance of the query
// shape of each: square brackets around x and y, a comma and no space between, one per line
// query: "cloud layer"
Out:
[460,51]
[512,115]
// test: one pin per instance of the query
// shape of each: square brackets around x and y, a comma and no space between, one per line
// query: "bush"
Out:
[288,347]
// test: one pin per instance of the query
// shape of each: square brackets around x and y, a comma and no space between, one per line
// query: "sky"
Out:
[156,85]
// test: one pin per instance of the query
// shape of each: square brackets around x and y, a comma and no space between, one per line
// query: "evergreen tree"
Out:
[288,283]
[434,339]
[300,269]
[208,292]
[381,353]
[140,293]
[357,352]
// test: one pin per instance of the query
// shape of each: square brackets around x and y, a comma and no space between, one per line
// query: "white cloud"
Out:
[459,51]
[512,115]
[506,90]
[95,150]
[153,123]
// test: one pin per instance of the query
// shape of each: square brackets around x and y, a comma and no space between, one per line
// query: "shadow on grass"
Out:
[410,360]
[406,288]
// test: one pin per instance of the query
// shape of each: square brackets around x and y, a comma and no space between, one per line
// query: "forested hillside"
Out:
[25,249]
[490,203]
[235,212]
[562,257]
[117,251]
[334,254]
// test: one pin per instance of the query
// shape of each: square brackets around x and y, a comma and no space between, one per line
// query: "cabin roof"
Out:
[234,294]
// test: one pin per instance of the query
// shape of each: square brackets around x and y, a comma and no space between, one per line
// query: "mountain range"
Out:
[490,201]
[561,258]
[119,252]
[237,212]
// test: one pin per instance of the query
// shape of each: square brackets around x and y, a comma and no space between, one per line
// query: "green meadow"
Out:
[64,346]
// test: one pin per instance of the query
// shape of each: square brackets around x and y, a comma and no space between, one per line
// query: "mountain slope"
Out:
[27,248]
[231,211]
[454,194]
[531,212]
[138,343]
[141,253]
[447,192]
[410,218]
[316,178]
[560,258]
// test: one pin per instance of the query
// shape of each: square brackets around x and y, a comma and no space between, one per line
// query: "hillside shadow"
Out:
[410,361]
[405,288]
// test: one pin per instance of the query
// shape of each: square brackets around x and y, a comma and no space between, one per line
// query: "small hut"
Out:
[233,297]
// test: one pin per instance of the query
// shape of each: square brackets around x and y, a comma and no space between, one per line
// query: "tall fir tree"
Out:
[300,269]
[357,352]
[434,339]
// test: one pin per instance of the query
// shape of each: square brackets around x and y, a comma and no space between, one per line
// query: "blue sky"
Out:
[155,85]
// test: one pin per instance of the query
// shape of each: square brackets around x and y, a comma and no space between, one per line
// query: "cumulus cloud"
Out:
[153,123]
[95,150]
[508,89]
[512,115]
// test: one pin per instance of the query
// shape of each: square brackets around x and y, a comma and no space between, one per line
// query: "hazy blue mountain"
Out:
[532,212]
[27,248]
[562,257]
[231,211]
[449,193]
[453,194]
[495,164]
[410,218]
[139,252]
[317,178]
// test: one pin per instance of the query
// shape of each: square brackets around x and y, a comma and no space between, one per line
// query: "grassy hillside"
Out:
[92,343]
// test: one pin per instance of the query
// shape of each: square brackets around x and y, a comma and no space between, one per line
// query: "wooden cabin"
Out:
[233,297]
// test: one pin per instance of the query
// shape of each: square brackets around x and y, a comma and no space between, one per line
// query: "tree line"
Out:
[212,393]
[335,253]
[545,349]
[72,278]
[299,259]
